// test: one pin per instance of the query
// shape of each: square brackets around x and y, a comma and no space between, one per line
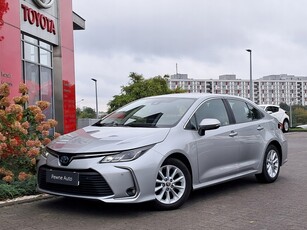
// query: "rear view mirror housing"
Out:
[208,124]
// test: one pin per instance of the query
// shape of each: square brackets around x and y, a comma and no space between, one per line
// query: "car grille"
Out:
[91,183]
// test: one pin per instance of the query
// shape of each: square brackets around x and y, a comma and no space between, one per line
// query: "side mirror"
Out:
[208,124]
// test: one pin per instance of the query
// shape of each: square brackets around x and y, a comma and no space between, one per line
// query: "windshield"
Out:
[149,112]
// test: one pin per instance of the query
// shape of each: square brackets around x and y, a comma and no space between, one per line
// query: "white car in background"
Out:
[279,114]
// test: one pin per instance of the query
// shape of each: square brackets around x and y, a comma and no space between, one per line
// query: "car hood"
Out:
[93,139]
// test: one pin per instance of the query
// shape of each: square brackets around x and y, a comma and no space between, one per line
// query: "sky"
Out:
[205,38]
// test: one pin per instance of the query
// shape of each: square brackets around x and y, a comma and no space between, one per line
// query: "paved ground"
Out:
[242,204]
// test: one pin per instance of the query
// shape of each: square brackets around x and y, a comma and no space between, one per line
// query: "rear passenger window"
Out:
[244,112]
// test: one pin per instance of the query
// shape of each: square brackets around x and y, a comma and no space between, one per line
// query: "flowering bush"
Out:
[24,131]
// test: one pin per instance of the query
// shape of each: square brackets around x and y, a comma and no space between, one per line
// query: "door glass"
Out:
[212,109]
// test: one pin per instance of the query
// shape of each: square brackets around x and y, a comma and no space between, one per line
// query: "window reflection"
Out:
[37,63]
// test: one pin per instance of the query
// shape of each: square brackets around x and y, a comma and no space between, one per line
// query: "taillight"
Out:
[280,126]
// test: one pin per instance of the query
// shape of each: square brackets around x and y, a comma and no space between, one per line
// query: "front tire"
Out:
[271,165]
[173,185]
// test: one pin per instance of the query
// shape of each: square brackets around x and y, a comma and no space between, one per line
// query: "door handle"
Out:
[260,128]
[233,134]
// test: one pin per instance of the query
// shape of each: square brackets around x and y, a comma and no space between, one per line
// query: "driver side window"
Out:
[214,108]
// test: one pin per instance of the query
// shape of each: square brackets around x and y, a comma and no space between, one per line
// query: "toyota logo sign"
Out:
[44,3]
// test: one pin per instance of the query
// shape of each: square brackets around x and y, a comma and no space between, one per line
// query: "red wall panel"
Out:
[68,68]
[10,50]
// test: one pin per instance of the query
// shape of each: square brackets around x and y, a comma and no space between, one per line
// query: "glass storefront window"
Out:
[32,81]
[45,57]
[46,89]
[30,40]
[31,52]
[45,45]
[38,72]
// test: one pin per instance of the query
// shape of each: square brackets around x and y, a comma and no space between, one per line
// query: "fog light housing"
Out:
[131,191]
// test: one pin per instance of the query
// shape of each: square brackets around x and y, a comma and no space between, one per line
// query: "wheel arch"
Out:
[278,146]
[184,160]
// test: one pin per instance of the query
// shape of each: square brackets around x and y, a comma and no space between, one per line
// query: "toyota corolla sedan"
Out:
[161,148]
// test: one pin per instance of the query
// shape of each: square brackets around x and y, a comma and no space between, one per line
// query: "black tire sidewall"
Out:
[285,130]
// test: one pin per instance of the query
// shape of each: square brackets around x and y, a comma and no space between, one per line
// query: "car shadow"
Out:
[98,208]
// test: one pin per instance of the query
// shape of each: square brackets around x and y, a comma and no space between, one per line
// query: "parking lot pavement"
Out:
[240,204]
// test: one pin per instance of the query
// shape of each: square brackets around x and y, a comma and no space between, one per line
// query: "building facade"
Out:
[273,89]
[37,48]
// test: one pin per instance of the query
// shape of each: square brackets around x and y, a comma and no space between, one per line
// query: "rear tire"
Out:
[173,185]
[271,165]
[285,126]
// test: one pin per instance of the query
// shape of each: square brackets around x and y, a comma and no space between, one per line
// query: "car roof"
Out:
[269,105]
[197,96]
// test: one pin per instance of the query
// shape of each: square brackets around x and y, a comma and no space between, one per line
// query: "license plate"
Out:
[62,177]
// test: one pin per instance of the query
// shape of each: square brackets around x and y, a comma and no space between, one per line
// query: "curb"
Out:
[25,199]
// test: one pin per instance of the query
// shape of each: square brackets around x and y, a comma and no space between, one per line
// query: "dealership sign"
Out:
[40,23]
[38,19]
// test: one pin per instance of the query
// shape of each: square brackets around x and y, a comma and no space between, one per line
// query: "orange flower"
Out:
[40,117]
[34,109]
[3,146]
[40,128]
[23,150]
[33,152]
[25,125]
[23,89]
[23,176]
[2,113]
[4,90]
[7,179]
[14,109]
[24,99]
[30,143]
[52,123]
[5,101]
[5,172]
[17,100]
[33,161]
[13,142]
[37,143]
[2,137]
[43,104]
[46,141]
[46,126]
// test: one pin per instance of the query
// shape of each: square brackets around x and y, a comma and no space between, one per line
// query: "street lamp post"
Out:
[251,91]
[95,80]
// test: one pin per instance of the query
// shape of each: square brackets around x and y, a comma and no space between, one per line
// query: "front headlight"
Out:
[128,155]
[44,153]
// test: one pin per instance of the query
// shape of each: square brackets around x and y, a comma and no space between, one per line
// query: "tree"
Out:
[299,115]
[139,87]
[87,112]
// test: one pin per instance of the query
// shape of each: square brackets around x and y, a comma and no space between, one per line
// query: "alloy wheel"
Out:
[170,184]
[272,163]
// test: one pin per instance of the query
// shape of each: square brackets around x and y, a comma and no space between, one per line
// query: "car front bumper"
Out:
[123,182]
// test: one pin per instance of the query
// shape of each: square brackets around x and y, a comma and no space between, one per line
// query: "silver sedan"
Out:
[161,148]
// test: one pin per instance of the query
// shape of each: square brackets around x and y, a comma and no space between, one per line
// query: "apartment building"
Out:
[272,89]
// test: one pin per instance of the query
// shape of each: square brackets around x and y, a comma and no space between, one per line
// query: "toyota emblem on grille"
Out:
[64,160]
